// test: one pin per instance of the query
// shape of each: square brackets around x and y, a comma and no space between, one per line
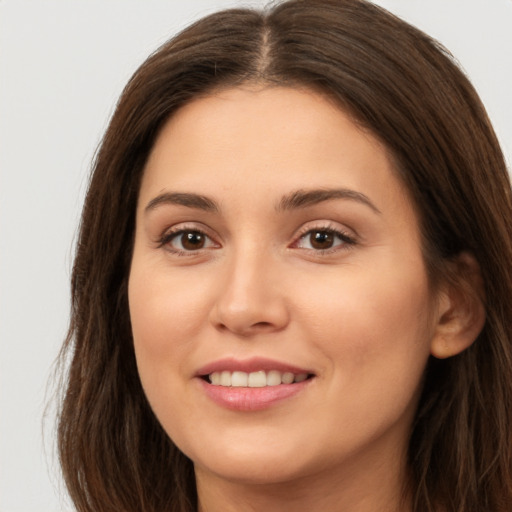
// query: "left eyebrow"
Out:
[304,198]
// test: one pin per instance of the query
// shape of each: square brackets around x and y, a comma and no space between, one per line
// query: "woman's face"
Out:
[274,243]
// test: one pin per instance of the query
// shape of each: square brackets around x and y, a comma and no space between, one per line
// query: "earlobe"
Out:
[461,308]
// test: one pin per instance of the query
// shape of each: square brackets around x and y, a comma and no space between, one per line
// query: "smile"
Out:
[257,379]
[252,385]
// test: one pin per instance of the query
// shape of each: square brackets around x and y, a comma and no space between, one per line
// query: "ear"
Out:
[461,308]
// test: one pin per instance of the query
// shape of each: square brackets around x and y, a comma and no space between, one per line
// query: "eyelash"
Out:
[348,241]
[168,236]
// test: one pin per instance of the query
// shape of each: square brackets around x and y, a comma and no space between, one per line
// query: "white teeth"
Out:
[239,380]
[273,378]
[225,378]
[257,379]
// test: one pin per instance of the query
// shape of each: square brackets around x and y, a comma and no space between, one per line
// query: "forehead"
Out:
[267,140]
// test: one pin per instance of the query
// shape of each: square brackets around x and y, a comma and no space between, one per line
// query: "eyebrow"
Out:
[295,200]
[183,199]
[305,198]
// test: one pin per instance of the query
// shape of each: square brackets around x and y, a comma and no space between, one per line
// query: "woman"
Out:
[292,287]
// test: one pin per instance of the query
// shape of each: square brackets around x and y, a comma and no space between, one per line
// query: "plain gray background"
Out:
[63,64]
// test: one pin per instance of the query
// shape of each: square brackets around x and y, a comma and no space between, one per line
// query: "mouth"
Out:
[256,379]
[252,385]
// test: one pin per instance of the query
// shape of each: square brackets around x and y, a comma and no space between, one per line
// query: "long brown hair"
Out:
[403,86]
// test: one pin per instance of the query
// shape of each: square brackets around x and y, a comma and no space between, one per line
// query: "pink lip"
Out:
[245,398]
[251,399]
[254,364]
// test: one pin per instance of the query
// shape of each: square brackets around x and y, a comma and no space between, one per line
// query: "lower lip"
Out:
[252,399]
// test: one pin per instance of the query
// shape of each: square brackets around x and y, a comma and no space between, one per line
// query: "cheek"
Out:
[372,321]
[166,310]
[166,314]
[376,338]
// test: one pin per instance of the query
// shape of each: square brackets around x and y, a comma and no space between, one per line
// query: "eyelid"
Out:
[347,236]
[172,232]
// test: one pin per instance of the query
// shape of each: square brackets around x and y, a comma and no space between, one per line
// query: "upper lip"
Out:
[253,364]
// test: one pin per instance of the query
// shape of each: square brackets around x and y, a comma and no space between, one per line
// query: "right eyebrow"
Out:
[183,199]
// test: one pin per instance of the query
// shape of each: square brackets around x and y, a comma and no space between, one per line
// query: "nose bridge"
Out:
[250,299]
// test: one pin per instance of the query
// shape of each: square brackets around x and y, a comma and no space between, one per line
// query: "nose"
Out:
[251,298]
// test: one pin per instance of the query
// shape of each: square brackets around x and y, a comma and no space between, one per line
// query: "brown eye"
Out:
[321,239]
[187,240]
[324,240]
[192,240]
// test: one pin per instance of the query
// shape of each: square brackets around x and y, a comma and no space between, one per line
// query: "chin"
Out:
[258,463]
[262,471]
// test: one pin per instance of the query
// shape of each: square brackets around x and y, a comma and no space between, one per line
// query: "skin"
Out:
[361,315]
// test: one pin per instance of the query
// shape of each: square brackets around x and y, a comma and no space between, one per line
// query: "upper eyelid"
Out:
[348,236]
[170,232]
[326,225]
[345,238]
[187,226]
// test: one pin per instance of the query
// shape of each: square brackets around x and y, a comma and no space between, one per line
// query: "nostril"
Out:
[263,325]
